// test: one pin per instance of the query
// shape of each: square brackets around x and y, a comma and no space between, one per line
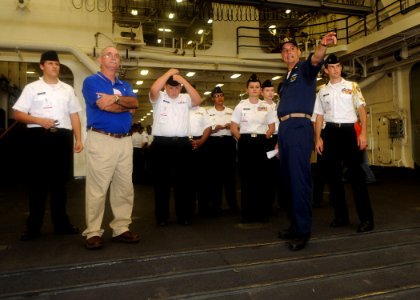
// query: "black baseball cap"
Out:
[266,83]
[172,82]
[332,59]
[287,41]
[216,90]
[49,55]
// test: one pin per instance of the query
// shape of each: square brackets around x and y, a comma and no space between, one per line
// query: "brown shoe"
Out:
[95,242]
[127,237]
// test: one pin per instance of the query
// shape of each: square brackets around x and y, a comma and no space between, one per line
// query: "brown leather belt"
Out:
[115,135]
[294,115]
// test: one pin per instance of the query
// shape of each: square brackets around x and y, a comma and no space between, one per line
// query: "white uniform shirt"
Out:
[52,101]
[336,103]
[171,116]
[199,121]
[276,124]
[221,117]
[253,118]
[139,139]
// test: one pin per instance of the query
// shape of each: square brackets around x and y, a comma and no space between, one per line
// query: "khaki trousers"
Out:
[109,163]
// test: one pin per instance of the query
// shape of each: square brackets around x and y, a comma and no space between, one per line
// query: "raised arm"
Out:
[195,96]
[158,85]
[329,39]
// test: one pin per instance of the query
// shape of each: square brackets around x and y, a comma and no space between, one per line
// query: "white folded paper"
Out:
[272,153]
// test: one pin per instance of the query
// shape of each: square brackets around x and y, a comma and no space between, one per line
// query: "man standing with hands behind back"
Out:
[109,151]
[296,137]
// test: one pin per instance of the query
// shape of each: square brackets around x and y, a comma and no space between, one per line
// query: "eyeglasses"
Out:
[218,95]
[111,55]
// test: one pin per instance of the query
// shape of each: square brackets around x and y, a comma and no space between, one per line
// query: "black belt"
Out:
[252,135]
[220,136]
[115,135]
[339,125]
[52,129]
[171,138]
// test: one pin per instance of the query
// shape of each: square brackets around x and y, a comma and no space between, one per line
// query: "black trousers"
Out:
[138,165]
[200,179]
[341,149]
[222,171]
[273,177]
[171,163]
[49,157]
[253,171]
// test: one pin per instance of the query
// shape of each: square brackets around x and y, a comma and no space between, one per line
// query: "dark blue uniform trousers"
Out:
[296,138]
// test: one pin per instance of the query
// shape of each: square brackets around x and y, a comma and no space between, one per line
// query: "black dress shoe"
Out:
[339,223]
[70,229]
[286,234]
[298,243]
[161,223]
[29,235]
[184,222]
[246,221]
[365,226]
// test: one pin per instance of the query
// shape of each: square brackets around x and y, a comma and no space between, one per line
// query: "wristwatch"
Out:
[117,99]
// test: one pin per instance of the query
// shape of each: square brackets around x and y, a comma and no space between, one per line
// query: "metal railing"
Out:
[352,29]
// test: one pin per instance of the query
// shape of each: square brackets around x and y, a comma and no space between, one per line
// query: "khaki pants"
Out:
[109,163]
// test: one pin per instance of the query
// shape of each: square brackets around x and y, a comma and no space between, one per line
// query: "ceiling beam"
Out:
[306,5]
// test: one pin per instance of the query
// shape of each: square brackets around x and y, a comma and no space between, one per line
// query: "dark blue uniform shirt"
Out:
[297,93]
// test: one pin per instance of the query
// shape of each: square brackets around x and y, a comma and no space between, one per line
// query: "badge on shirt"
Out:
[262,108]
[293,77]
[346,91]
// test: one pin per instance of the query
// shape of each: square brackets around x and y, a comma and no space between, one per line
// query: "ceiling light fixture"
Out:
[190,74]
[171,15]
[165,29]
[288,11]
[30,72]
[134,12]
[220,84]
[159,41]
[135,91]
[234,76]
[189,42]
[210,21]
[207,93]
[178,1]
[200,31]
[144,72]
[139,82]
[276,78]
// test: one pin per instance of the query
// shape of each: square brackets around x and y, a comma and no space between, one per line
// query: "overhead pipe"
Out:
[83,58]
[207,60]
[93,67]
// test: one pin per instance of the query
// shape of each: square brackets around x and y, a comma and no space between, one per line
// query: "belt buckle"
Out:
[338,125]
[254,135]
[53,129]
